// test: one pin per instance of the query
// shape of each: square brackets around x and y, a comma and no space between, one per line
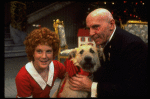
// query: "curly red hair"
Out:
[41,36]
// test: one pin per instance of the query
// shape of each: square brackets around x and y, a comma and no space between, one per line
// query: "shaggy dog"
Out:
[85,57]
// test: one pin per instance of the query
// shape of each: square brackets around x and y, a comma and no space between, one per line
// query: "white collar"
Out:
[32,71]
[112,34]
[110,37]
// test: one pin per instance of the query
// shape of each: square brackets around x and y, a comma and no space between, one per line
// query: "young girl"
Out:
[37,77]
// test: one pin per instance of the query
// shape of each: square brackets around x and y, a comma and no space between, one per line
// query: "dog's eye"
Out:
[91,50]
[81,52]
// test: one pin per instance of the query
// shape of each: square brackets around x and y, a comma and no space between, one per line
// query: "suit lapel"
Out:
[111,46]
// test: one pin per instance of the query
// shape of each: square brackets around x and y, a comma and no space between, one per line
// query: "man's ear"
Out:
[72,53]
[112,24]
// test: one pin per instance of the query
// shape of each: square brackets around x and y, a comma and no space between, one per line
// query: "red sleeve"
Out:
[61,70]
[23,84]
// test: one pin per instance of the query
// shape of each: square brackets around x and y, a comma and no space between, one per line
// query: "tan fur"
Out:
[78,60]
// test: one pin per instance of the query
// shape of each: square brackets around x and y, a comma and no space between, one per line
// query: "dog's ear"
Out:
[72,53]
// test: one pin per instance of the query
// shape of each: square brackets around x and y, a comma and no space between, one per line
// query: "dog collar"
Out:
[73,70]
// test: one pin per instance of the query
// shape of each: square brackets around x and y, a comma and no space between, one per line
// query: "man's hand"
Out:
[80,82]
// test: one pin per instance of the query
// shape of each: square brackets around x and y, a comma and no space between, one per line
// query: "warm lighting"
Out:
[130,14]
[36,25]
[136,3]
[143,3]
[104,2]
[113,3]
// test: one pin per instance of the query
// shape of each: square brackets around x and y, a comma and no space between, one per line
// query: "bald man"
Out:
[124,72]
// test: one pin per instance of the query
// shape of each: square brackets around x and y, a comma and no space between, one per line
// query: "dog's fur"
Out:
[87,58]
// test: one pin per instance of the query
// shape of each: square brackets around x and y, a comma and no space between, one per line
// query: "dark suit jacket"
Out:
[125,74]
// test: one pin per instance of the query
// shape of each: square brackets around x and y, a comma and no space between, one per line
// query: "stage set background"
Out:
[73,14]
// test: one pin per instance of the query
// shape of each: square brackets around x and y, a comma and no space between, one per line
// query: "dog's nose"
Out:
[87,59]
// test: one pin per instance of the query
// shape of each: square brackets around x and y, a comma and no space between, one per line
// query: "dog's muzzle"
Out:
[88,64]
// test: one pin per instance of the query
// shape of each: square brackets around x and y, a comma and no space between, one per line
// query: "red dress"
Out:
[30,84]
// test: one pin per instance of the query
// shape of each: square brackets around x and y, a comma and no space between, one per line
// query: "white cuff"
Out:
[94,89]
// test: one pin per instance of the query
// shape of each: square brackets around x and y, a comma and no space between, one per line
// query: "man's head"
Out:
[101,25]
